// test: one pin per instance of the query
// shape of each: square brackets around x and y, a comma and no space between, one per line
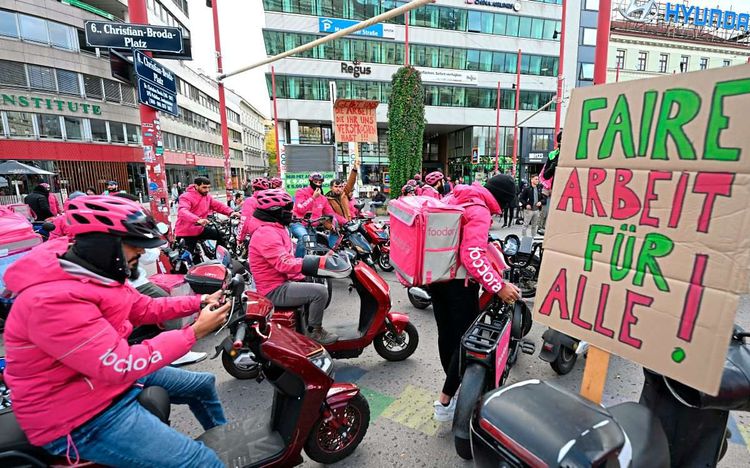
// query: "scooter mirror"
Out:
[162,227]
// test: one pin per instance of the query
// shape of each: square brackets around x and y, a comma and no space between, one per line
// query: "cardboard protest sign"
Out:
[355,120]
[647,247]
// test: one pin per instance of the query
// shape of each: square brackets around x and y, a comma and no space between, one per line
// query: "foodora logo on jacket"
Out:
[127,364]
[484,270]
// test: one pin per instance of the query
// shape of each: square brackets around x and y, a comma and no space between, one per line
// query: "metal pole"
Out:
[276,122]
[406,39]
[151,137]
[560,68]
[518,102]
[497,130]
[549,103]
[602,41]
[222,104]
[617,73]
[344,32]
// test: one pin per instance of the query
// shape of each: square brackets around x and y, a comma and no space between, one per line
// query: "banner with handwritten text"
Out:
[355,120]
[648,244]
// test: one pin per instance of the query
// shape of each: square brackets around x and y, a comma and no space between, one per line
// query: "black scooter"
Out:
[534,423]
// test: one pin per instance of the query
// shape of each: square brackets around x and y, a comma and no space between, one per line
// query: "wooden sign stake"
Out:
[595,374]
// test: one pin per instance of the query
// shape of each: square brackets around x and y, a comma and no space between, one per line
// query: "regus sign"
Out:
[332,25]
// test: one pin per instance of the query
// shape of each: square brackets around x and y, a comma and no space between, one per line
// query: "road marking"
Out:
[348,373]
[738,436]
[413,409]
[745,432]
[378,402]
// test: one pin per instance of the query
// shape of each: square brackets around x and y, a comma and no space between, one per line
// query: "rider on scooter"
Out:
[311,200]
[433,187]
[195,206]
[456,303]
[73,375]
[277,273]
[247,222]
[275,182]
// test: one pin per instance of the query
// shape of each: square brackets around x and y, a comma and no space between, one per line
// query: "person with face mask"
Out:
[434,185]
[195,206]
[277,273]
[247,222]
[311,200]
[74,377]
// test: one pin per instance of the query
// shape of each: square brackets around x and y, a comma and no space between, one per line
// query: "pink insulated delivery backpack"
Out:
[425,237]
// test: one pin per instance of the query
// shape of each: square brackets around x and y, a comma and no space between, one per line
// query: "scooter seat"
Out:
[541,424]
[12,437]
[643,429]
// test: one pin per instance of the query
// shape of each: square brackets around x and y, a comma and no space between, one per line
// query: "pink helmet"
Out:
[407,189]
[316,176]
[260,183]
[434,177]
[411,182]
[45,185]
[273,199]
[417,177]
[112,215]
[276,182]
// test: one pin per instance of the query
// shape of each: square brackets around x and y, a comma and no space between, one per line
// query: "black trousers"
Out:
[456,306]
[509,216]
[209,232]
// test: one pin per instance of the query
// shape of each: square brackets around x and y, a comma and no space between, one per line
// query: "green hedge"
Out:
[405,127]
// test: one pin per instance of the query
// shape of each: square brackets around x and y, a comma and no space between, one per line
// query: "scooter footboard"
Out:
[340,394]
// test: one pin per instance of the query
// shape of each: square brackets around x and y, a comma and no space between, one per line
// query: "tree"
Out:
[270,145]
[405,127]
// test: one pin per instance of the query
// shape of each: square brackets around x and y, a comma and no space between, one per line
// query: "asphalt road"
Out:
[400,394]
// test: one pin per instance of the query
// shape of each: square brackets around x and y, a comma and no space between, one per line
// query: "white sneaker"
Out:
[191,357]
[444,413]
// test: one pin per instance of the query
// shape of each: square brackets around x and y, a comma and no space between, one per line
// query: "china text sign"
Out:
[647,248]
[355,120]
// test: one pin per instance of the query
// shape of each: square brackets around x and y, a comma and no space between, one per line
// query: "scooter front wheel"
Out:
[336,436]
[565,361]
[393,347]
[239,371]
[384,262]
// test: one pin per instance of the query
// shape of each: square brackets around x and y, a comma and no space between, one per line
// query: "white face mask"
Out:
[149,256]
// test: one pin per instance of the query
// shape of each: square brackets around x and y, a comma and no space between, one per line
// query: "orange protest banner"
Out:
[355,120]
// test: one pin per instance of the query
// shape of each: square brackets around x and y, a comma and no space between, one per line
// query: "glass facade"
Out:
[38,30]
[429,16]
[391,53]
[316,89]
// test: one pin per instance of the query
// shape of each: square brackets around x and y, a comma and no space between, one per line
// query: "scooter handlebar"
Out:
[239,337]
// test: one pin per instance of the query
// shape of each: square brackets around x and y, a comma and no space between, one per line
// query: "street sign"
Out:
[157,97]
[133,36]
[151,70]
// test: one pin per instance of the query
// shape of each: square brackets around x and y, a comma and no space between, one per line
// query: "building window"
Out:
[704,63]
[591,5]
[33,29]
[20,124]
[93,87]
[642,58]
[12,74]
[589,37]
[620,59]
[8,24]
[663,63]
[98,130]
[61,36]
[41,78]
[587,72]
[727,63]
[67,82]
[49,126]
[112,91]
[684,63]
[116,132]
[73,128]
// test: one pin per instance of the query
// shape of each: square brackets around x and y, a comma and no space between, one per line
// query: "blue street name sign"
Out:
[157,97]
[151,70]
[133,36]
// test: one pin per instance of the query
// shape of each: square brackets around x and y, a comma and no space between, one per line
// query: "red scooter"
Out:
[309,410]
[379,237]
[395,338]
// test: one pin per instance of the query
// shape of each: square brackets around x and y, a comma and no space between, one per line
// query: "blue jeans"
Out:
[298,232]
[127,434]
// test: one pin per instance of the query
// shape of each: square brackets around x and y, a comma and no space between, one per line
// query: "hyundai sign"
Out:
[647,11]
[332,25]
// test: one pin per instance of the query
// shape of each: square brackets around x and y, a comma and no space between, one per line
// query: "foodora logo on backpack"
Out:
[484,270]
[444,232]
[127,364]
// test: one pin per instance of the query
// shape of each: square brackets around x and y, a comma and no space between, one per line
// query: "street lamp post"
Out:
[560,68]
[222,102]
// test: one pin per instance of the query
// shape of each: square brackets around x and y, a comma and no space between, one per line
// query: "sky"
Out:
[241,23]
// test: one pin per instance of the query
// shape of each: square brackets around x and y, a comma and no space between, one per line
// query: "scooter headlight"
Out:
[323,361]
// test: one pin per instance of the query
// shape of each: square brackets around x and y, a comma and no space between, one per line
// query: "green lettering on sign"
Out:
[718,122]
[56,104]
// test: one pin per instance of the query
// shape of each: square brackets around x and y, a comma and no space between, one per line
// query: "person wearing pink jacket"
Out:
[433,188]
[277,273]
[311,200]
[61,226]
[54,205]
[247,222]
[195,206]
[73,375]
[456,303]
